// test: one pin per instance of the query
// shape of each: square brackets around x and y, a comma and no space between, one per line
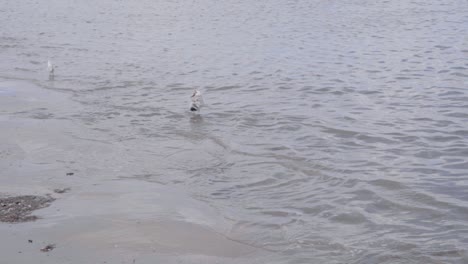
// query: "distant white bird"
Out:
[197,101]
[50,67]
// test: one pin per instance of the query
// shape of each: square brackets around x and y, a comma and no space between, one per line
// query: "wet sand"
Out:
[93,219]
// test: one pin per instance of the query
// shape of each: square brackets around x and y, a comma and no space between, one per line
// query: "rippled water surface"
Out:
[334,131]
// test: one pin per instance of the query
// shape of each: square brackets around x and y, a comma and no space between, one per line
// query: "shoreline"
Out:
[96,215]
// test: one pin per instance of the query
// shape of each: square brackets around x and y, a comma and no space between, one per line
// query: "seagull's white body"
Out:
[197,101]
[50,67]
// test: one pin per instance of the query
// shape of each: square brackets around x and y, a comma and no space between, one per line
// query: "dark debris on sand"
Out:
[16,209]
[62,190]
[48,248]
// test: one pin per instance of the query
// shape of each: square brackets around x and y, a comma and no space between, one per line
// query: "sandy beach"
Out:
[95,217]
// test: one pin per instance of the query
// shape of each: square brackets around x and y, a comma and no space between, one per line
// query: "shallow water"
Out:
[334,131]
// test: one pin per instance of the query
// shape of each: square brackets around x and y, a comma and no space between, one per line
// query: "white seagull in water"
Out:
[50,68]
[197,101]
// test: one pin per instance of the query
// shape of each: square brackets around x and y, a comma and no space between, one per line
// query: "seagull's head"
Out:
[196,93]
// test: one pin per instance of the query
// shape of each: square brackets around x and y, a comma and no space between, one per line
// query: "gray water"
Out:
[333,131]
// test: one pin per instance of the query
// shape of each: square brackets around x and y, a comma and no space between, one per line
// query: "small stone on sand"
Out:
[64,190]
[48,248]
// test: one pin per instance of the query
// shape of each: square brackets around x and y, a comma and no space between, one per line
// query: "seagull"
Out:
[197,101]
[50,68]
